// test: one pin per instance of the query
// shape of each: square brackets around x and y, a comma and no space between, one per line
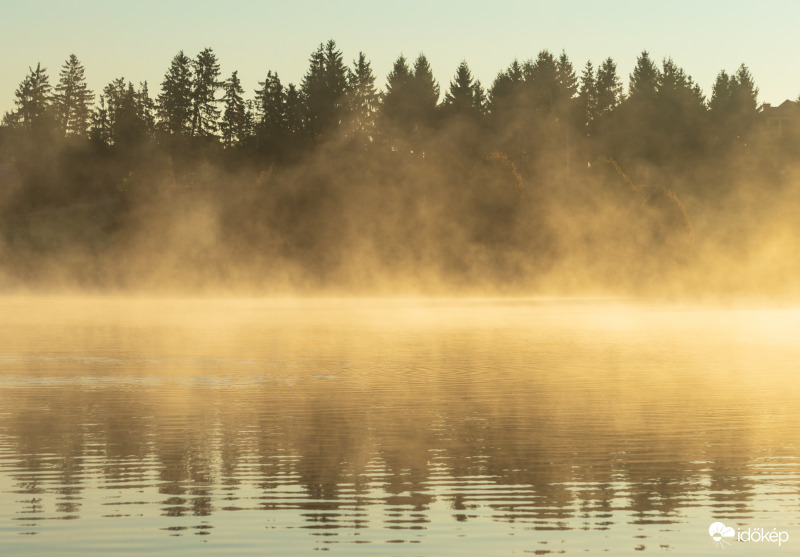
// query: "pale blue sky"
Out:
[138,39]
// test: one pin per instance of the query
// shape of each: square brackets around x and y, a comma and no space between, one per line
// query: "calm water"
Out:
[395,427]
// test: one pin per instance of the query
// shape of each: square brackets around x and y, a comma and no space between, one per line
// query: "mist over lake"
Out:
[400,427]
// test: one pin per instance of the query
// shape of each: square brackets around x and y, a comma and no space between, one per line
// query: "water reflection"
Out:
[519,427]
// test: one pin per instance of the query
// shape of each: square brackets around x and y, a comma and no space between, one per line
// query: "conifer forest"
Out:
[553,179]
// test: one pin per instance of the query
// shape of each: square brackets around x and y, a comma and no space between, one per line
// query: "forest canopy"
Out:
[548,180]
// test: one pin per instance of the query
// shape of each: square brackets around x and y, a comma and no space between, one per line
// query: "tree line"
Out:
[195,102]
[547,172]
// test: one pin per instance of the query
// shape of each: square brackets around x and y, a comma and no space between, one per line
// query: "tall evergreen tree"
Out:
[463,98]
[233,124]
[294,110]
[398,99]
[73,99]
[33,102]
[146,108]
[587,97]
[542,83]
[363,98]
[733,105]
[205,113]
[721,99]
[425,92]
[324,90]
[506,93]
[567,85]
[608,87]
[644,79]
[271,119]
[175,100]
[123,121]
[745,95]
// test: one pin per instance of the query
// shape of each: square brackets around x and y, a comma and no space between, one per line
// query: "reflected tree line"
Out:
[333,182]
[335,453]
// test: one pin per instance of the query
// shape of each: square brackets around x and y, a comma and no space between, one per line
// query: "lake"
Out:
[396,427]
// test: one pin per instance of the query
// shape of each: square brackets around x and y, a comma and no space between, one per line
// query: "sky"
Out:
[137,40]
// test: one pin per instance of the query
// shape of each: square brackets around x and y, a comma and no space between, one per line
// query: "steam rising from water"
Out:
[376,221]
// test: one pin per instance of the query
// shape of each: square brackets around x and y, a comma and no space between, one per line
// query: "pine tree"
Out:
[33,102]
[175,100]
[233,125]
[205,113]
[73,99]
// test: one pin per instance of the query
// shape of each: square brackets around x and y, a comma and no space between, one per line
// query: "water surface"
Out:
[400,427]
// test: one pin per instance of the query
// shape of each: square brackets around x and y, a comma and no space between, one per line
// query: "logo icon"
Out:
[718,532]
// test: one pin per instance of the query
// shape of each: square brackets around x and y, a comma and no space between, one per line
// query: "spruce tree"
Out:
[33,102]
[506,93]
[733,106]
[175,100]
[587,97]
[146,108]
[462,98]
[398,97]
[425,92]
[205,113]
[73,99]
[324,90]
[745,94]
[363,98]
[233,125]
[567,81]
[124,126]
[644,79]
[271,118]
[608,87]
[295,111]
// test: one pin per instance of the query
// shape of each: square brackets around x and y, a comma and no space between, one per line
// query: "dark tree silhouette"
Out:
[425,93]
[175,99]
[73,99]
[122,119]
[587,98]
[233,126]
[324,90]
[608,87]
[33,102]
[205,84]
[643,80]
[363,100]
[465,97]
[397,103]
